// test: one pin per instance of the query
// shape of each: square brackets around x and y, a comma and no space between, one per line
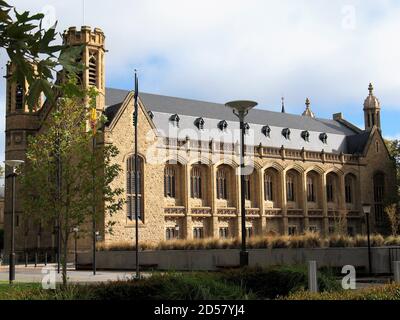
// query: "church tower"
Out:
[20,124]
[20,121]
[92,57]
[372,110]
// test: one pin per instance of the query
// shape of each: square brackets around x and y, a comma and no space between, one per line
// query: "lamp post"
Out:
[76,229]
[241,109]
[367,211]
[14,165]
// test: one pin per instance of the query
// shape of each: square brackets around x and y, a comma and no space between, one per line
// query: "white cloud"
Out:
[220,50]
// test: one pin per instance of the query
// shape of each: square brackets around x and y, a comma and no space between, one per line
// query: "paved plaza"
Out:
[36,274]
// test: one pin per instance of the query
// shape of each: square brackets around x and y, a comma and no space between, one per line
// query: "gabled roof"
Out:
[163,107]
[180,106]
[356,143]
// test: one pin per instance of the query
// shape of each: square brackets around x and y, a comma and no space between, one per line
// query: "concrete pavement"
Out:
[32,274]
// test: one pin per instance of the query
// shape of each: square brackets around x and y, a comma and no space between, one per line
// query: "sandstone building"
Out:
[304,173]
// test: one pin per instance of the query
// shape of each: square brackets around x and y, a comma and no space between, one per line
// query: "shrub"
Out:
[385,292]
[269,283]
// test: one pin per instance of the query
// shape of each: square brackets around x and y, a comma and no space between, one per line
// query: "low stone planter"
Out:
[201,260]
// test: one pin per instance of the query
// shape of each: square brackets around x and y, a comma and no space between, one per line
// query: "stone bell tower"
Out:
[20,124]
[93,54]
[372,110]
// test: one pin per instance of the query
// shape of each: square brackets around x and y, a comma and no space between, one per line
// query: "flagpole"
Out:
[135,117]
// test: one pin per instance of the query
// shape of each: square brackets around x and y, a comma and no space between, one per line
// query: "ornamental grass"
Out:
[308,240]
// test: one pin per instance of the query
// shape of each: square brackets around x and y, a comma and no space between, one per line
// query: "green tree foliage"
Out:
[65,139]
[28,44]
[394,151]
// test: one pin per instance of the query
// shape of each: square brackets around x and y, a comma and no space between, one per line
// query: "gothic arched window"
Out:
[330,189]
[19,97]
[169,181]
[222,192]
[290,188]
[195,183]
[247,187]
[131,191]
[310,189]
[379,192]
[268,193]
[349,188]
[92,71]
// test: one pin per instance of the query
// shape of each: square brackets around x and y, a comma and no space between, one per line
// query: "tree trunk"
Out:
[64,259]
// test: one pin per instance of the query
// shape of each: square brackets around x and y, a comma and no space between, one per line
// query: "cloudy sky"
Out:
[222,50]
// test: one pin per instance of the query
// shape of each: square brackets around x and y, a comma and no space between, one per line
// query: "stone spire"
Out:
[372,110]
[308,112]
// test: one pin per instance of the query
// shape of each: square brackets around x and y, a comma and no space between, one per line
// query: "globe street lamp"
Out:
[367,211]
[14,165]
[241,109]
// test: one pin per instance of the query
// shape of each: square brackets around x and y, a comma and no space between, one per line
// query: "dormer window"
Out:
[286,133]
[324,138]
[151,114]
[246,128]
[222,125]
[305,135]
[175,120]
[199,123]
[266,131]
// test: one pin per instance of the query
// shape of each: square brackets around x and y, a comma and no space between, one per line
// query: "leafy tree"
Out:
[394,219]
[65,138]
[30,47]
[394,151]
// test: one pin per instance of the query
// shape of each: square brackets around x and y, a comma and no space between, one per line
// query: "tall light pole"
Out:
[367,211]
[14,164]
[93,126]
[135,124]
[241,109]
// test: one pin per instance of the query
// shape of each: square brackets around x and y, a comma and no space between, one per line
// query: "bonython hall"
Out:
[304,173]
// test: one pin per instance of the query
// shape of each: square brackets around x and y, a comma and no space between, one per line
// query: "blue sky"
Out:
[260,50]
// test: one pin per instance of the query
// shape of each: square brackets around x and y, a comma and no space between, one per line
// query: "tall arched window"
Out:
[379,189]
[195,183]
[310,189]
[290,188]
[169,181]
[131,191]
[330,188]
[9,94]
[222,192]
[19,97]
[268,191]
[247,187]
[349,188]
[92,71]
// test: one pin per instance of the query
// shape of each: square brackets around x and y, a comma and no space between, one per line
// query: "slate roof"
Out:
[340,137]
[356,143]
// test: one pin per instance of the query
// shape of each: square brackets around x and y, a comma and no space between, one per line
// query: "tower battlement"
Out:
[72,36]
